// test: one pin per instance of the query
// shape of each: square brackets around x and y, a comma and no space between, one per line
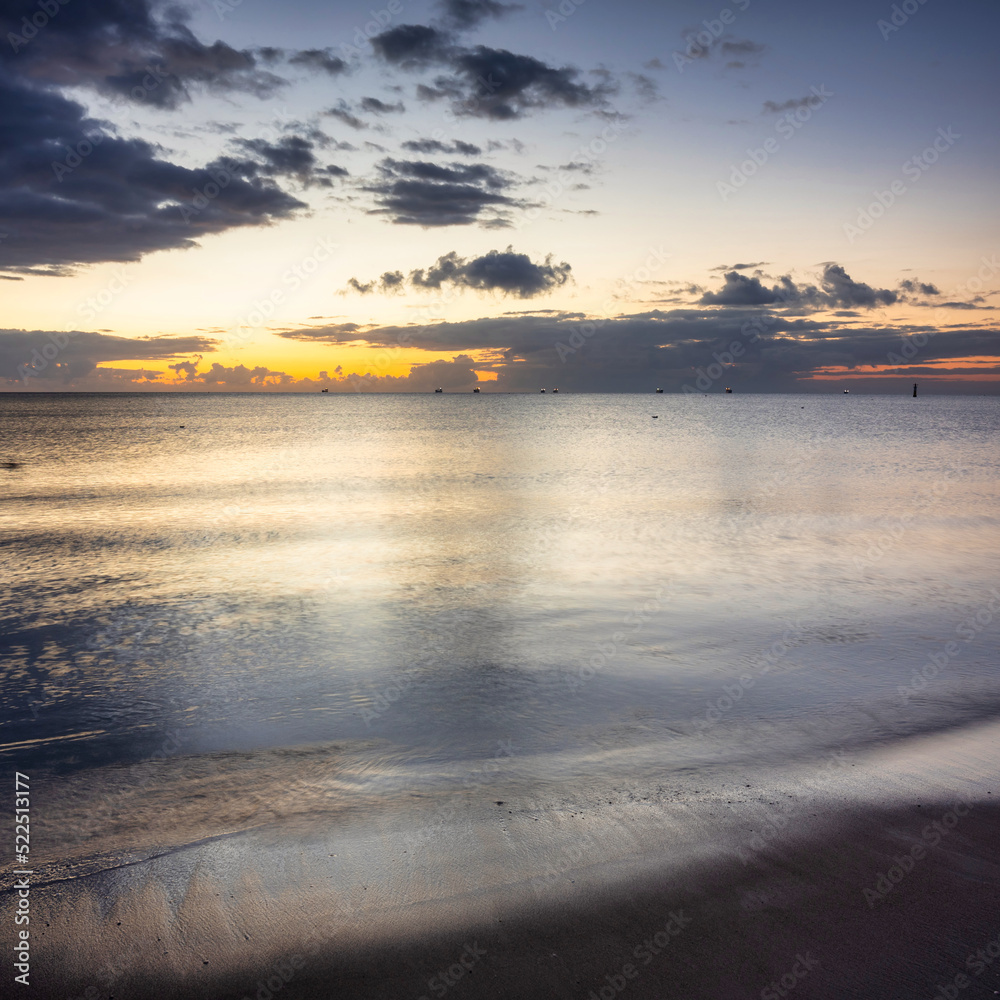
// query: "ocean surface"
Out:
[445,588]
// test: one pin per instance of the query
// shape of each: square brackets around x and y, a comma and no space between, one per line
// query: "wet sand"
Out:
[874,875]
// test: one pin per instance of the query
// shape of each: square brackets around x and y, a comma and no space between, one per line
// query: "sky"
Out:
[395,196]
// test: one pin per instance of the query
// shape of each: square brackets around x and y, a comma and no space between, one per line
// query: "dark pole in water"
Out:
[914,390]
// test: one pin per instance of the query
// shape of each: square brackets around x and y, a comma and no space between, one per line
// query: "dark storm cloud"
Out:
[741,290]
[631,353]
[119,47]
[28,355]
[497,84]
[497,271]
[420,193]
[435,146]
[72,193]
[412,45]
[503,271]
[837,289]
[291,156]
[843,291]
[466,14]
[486,82]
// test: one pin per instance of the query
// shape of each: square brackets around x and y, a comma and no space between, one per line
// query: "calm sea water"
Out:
[563,582]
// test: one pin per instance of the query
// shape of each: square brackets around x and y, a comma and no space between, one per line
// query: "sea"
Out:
[286,597]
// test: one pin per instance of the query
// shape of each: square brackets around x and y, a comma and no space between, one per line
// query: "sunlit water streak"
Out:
[550,585]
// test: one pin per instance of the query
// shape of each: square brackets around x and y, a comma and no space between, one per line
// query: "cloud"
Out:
[838,289]
[918,286]
[189,369]
[421,193]
[742,47]
[389,282]
[240,376]
[436,146]
[741,267]
[75,354]
[466,14]
[411,46]
[291,156]
[106,198]
[646,87]
[701,44]
[793,104]
[319,59]
[636,352]
[501,85]
[843,291]
[497,271]
[374,105]
[124,49]
[342,112]
[485,82]
[72,192]
[503,271]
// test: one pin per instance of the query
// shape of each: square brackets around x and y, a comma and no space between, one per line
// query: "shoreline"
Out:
[551,899]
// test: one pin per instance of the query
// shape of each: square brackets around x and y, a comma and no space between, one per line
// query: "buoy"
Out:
[914,390]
